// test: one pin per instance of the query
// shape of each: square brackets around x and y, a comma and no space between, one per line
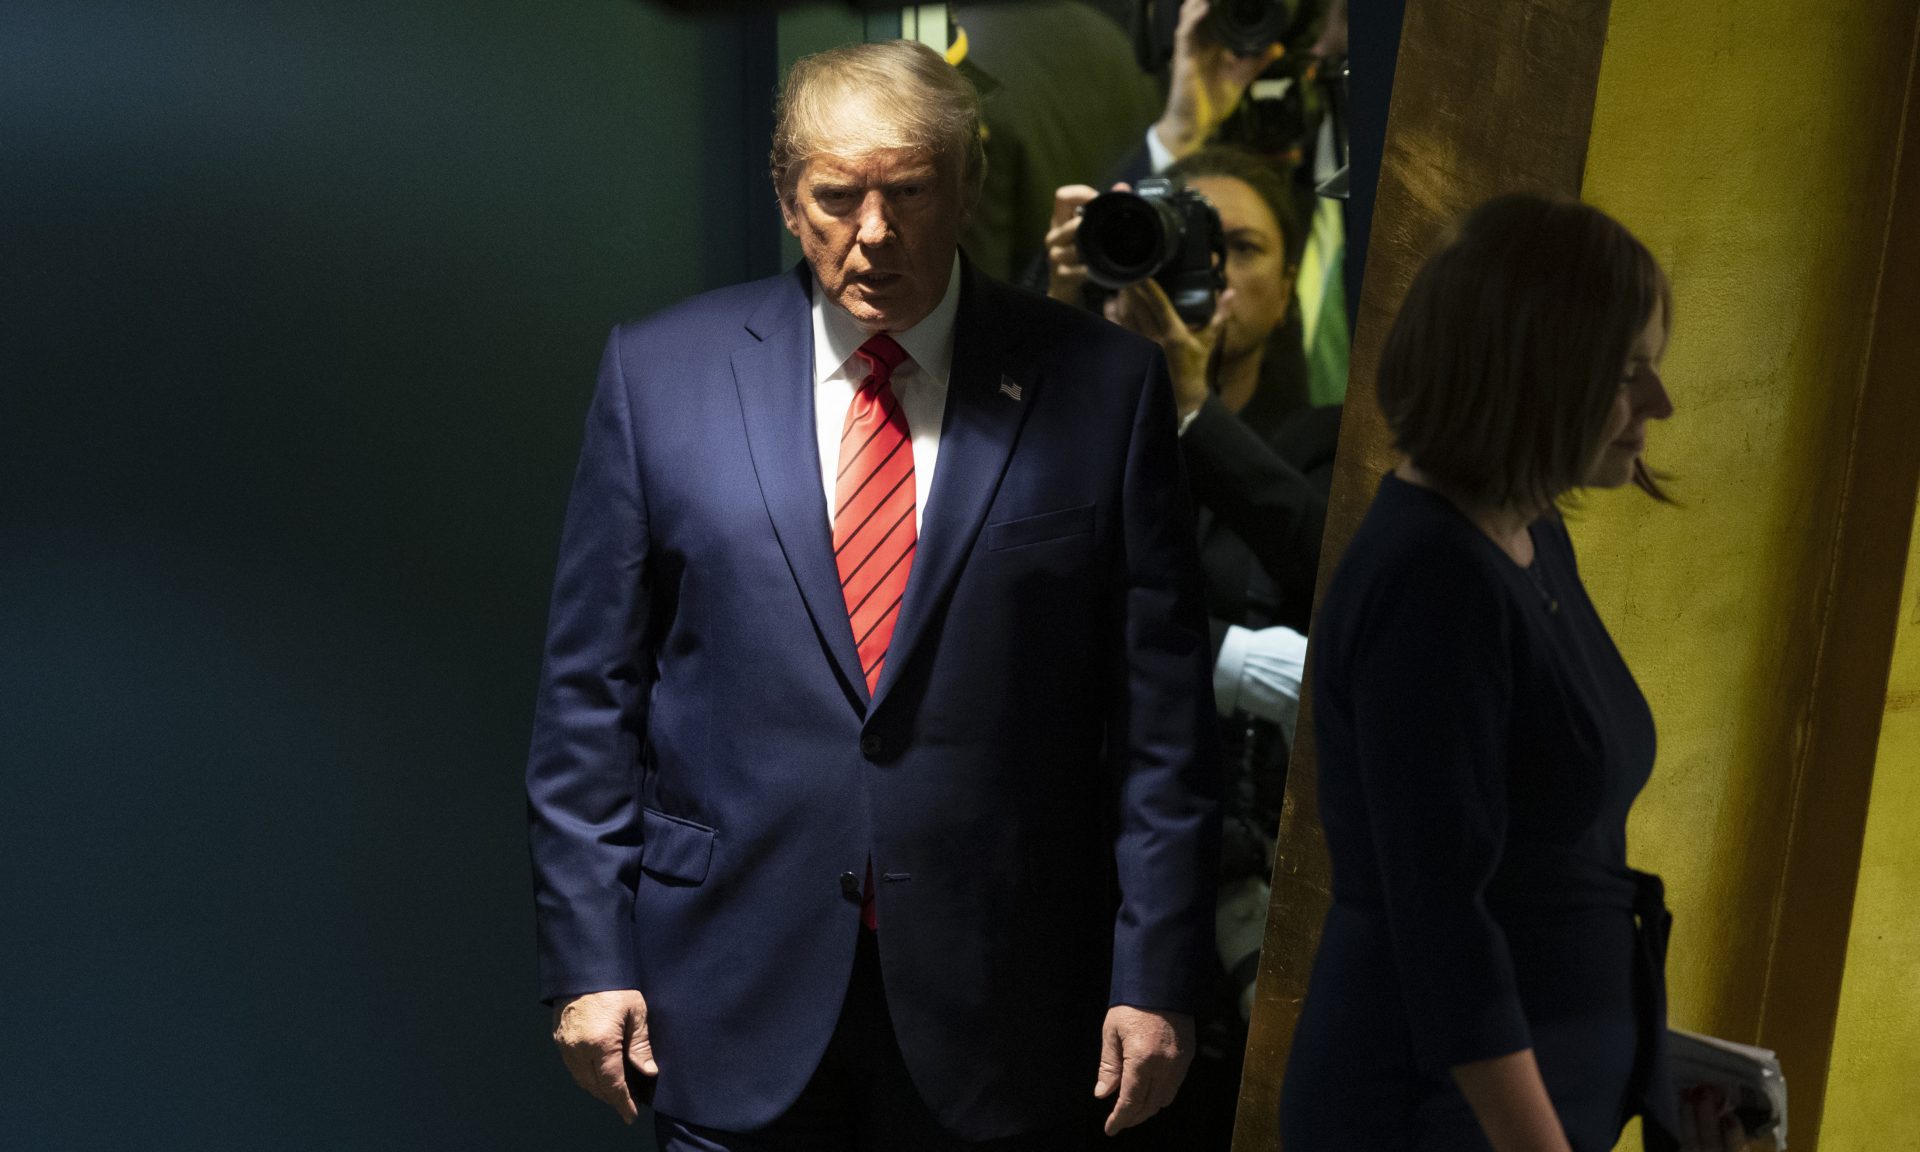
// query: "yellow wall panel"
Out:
[1875,1076]
[1762,179]
[1751,143]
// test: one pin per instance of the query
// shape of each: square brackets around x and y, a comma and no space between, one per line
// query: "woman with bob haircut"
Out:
[1489,973]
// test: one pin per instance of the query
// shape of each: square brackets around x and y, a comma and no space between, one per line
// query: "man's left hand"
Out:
[1144,1055]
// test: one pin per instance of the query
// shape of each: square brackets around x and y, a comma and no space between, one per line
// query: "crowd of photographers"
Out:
[1219,236]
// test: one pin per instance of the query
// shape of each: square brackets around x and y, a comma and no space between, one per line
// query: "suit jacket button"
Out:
[849,885]
[872,745]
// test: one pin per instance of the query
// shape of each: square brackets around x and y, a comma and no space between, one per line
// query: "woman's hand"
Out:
[1143,307]
[1066,269]
[1707,1124]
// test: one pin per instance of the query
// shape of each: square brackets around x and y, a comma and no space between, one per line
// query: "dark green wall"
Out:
[300,305]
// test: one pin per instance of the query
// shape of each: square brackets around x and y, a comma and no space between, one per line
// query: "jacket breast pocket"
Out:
[674,850]
[1040,529]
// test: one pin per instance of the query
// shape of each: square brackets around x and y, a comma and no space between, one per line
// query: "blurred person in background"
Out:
[1061,97]
[1290,123]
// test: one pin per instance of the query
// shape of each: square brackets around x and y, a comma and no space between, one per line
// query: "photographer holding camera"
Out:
[1257,456]
[1259,463]
[1266,77]
[1207,263]
[1208,79]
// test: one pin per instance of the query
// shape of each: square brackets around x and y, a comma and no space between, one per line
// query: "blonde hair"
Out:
[859,99]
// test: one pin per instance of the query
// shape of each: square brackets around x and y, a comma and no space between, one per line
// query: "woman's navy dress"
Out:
[1480,741]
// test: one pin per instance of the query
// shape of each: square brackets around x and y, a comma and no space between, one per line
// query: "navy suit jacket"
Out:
[1033,779]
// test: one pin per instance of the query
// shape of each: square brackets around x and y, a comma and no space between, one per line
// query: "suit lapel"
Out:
[775,381]
[977,436]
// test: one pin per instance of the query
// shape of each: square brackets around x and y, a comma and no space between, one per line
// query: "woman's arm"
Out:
[1510,1101]
[1431,683]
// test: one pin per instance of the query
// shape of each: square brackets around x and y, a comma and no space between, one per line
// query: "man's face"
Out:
[880,231]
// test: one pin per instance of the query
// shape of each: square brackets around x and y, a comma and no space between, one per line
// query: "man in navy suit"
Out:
[872,794]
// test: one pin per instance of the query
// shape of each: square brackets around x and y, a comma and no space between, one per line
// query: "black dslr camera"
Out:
[1280,116]
[1244,27]
[1161,229]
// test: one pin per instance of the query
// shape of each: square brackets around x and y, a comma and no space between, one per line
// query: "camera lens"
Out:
[1247,27]
[1245,13]
[1124,238]
[1132,238]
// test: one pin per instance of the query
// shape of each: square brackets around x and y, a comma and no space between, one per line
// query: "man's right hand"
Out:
[1207,81]
[599,1034]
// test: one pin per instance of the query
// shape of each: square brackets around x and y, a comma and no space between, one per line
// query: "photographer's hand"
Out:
[1066,269]
[1208,81]
[1144,308]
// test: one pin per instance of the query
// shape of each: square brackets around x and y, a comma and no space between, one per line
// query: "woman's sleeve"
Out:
[1432,687]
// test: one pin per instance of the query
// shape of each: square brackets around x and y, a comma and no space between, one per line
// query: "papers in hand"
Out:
[1749,1078]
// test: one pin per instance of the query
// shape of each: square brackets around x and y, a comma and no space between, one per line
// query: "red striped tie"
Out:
[873,529]
[873,500]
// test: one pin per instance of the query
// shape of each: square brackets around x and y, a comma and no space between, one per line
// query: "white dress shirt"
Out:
[920,383]
[1259,672]
[1159,155]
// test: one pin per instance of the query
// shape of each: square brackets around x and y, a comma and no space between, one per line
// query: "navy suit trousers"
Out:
[861,1098]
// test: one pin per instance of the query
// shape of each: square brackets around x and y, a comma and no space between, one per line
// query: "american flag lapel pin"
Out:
[1009,388]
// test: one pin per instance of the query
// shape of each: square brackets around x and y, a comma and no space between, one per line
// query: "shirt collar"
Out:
[929,343]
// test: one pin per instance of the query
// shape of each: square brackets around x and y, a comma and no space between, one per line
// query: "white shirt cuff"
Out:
[1227,669]
[1158,153]
[1186,422]
[1273,667]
